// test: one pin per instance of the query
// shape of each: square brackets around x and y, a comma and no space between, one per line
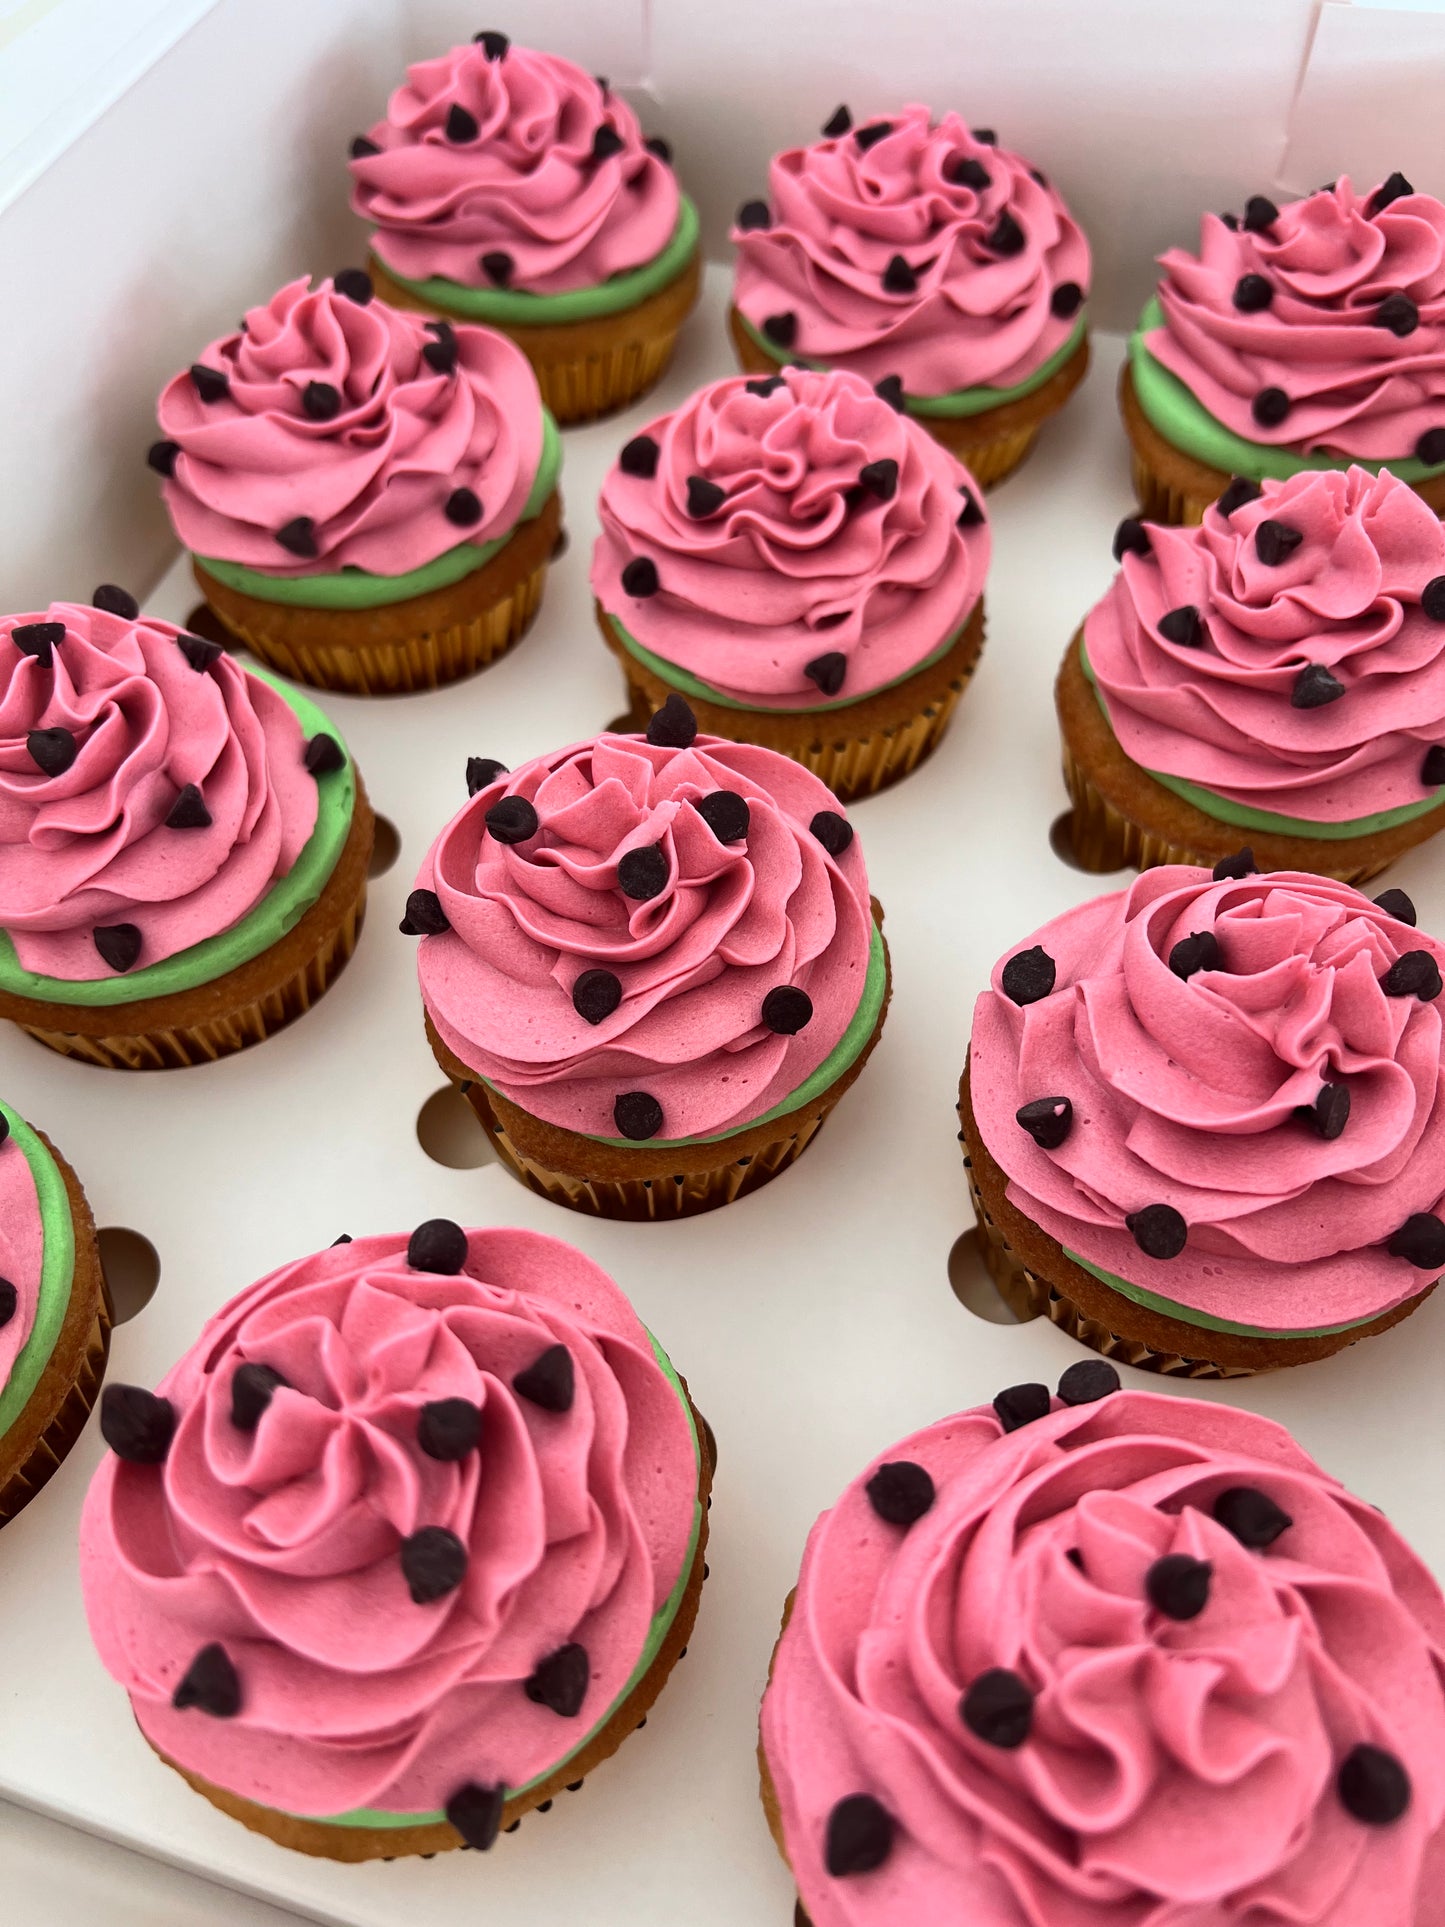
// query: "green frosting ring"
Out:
[57,1270]
[848,1047]
[516,306]
[689,685]
[962,401]
[278,912]
[657,1633]
[1150,1301]
[359,589]
[1239,815]
[1184,421]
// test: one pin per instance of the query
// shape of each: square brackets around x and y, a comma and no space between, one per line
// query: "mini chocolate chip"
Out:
[1275,541]
[1006,236]
[1231,221]
[870,135]
[425,916]
[1260,214]
[781,329]
[298,537]
[9,1302]
[1396,904]
[252,1389]
[1398,313]
[1029,975]
[1075,1558]
[768,385]
[324,755]
[136,1424]
[493,44]
[115,602]
[210,1684]
[1330,1111]
[859,1836]
[637,1115]
[606,142]
[827,671]
[1183,627]
[463,508]
[1020,1405]
[1432,769]
[898,277]
[1240,491]
[1314,687]
[639,578]
[639,457]
[837,124]
[498,266]
[355,284]
[704,498]
[211,384]
[460,125]
[985,136]
[890,389]
[449,1428]
[549,1381]
[118,943]
[1420,1241]
[344,1239]
[1131,538]
[965,170]
[998,1708]
[440,353]
[189,811]
[673,726]
[1252,293]
[1197,952]
[970,516]
[1178,1586]
[880,478]
[52,750]
[1430,449]
[834,832]
[726,814]
[1269,407]
[900,1492]
[1066,300]
[753,216]
[1415,974]
[437,1245]
[161,456]
[1389,190]
[595,995]
[1373,1786]
[433,1563]
[655,144]
[1251,1516]
[787,1010]
[643,874]
[321,401]
[38,639]
[482,772]
[1159,1230]
[1048,1120]
[476,1811]
[559,1682]
[512,819]
[199,652]
[1231,869]
[1087,1381]
[363,147]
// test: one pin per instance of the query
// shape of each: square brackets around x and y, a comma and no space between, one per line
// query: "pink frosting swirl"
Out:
[1185,1091]
[1354,384]
[731,921]
[1216,709]
[1174,1772]
[483,156]
[993,268]
[22,1252]
[357,421]
[803,558]
[283,1543]
[85,842]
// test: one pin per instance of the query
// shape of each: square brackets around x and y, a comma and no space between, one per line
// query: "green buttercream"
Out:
[963,401]
[849,1045]
[358,589]
[1187,1315]
[1185,422]
[519,308]
[57,1269]
[662,1621]
[1241,817]
[278,912]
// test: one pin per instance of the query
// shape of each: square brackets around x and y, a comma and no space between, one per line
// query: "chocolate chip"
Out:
[512,819]
[550,1381]
[898,277]
[324,755]
[1331,1110]
[210,1684]
[355,284]
[1432,769]
[433,1563]
[252,1389]
[753,216]
[1029,975]
[1373,1786]
[1396,904]
[606,142]
[498,266]
[463,508]
[655,144]
[985,136]
[1240,491]
[115,602]
[437,1245]
[900,1492]
[1415,974]
[1197,952]
[1314,687]
[199,653]
[9,1301]
[970,516]
[1389,190]
[964,170]
[1178,1586]
[449,1428]
[827,671]
[1159,1230]
[726,814]
[595,995]
[440,353]
[476,1811]
[639,457]
[136,1424]
[118,943]
[363,147]
[859,1836]
[787,1010]
[1398,313]
[1006,236]
[1252,294]
[998,1708]
[1183,626]
[1087,1381]
[211,384]
[704,498]
[1131,538]
[189,811]
[38,639]
[767,386]
[870,135]
[493,44]
[1020,1405]
[637,1115]
[321,401]
[344,1239]
[52,750]
[1231,221]
[298,537]
[880,478]
[837,124]
[1231,869]
[1251,1516]
[1275,541]
[890,389]
[1269,407]
[639,578]
[1260,214]
[1066,300]
[1420,1241]
[1430,449]
[1048,1120]
[834,832]
[560,1681]
[482,772]
[460,125]
[424,916]
[643,874]
[161,456]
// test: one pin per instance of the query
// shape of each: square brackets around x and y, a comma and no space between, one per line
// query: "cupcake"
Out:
[1276,673]
[54,1311]
[651,963]
[1203,1119]
[1305,336]
[370,500]
[409,1541]
[803,565]
[183,843]
[1116,1658]
[924,257]
[509,187]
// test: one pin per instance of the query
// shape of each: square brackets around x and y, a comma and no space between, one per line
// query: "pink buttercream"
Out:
[375,478]
[801,560]
[978,317]
[1354,386]
[22,1251]
[734,921]
[90,846]
[526,186]
[1348,597]
[1184,1094]
[283,1544]
[1177,1773]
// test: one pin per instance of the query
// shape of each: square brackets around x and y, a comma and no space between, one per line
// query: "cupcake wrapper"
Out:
[587,386]
[987,461]
[1160,502]
[68,1423]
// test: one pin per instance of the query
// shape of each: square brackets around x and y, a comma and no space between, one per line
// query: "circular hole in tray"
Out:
[132,1269]
[449,1131]
[387,847]
[1061,842]
[972,1284]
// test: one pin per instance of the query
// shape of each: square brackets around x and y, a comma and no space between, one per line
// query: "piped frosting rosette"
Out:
[914,249]
[799,541]
[1115,1660]
[1224,1096]
[402,1527]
